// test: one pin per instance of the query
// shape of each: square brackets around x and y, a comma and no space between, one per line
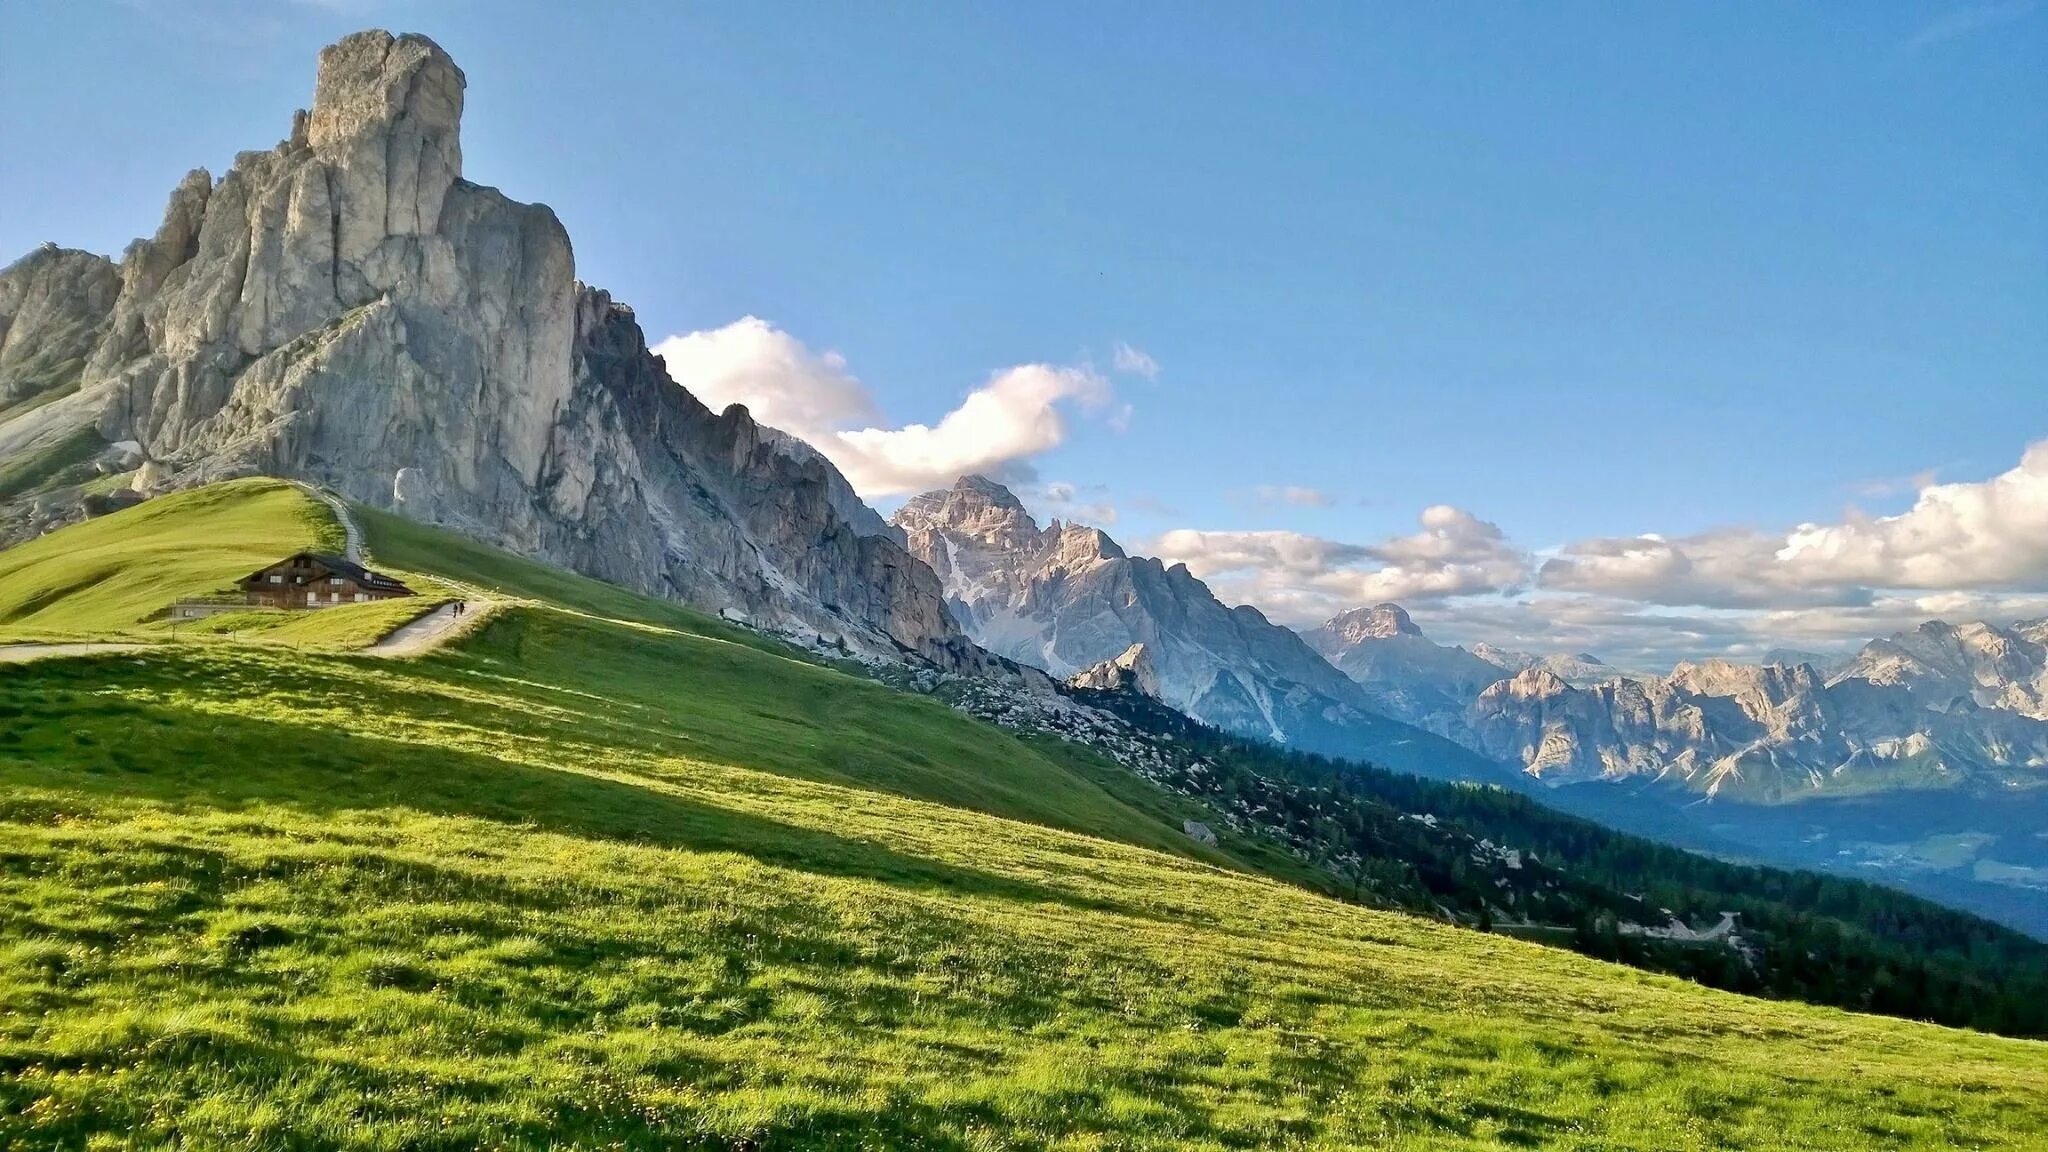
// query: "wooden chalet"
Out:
[317,580]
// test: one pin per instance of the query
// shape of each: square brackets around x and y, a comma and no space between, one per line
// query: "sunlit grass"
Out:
[115,577]
[583,883]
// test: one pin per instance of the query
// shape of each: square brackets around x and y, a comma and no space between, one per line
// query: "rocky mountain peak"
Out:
[369,83]
[1131,670]
[347,309]
[1379,622]
[1758,683]
[991,491]
[1068,600]
[975,507]
[53,308]
[1507,659]
[1535,683]
[391,107]
[1079,540]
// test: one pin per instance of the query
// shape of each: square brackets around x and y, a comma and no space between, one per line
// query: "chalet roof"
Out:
[339,566]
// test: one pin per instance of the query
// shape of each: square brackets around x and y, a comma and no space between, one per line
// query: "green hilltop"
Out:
[610,873]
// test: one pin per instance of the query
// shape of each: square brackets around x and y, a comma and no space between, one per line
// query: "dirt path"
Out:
[424,633]
[431,630]
[23,653]
[353,548]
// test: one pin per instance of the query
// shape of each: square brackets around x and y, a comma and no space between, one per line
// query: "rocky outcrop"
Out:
[1379,622]
[1401,671]
[346,308]
[55,304]
[1129,671]
[1774,732]
[1579,669]
[1938,706]
[1066,597]
[1942,666]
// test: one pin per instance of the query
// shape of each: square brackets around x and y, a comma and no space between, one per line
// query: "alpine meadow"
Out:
[437,712]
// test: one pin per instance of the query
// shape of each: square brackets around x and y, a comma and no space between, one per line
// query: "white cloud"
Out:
[1293,496]
[1991,534]
[784,384]
[1072,503]
[1015,415]
[1133,362]
[1962,551]
[1982,535]
[1301,578]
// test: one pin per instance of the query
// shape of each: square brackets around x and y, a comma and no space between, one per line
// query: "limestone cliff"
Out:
[1913,712]
[54,307]
[348,309]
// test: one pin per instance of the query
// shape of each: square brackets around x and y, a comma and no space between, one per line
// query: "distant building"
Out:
[317,580]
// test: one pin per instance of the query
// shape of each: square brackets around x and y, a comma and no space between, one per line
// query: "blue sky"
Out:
[1581,272]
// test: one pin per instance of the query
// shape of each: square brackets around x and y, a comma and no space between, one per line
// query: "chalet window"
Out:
[334,580]
[277,577]
[362,597]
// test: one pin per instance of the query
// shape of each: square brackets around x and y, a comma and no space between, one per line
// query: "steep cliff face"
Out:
[1403,672]
[347,309]
[55,304]
[1773,732]
[1129,671]
[1942,665]
[1066,597]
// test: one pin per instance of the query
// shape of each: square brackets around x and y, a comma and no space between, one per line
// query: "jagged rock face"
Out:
[1942,664]
[1002,574]
[1402,671]
[1938,706]
[1066,597]
[1579,669]
[1130,671]
[346,308]
[1379,622]
[1778,732]
[54,307]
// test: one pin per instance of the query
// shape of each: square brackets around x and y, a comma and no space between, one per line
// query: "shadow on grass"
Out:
[122,748]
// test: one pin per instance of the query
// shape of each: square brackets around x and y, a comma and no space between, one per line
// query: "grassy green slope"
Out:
[595,882]
[110,575]
[413,547]
[114,576]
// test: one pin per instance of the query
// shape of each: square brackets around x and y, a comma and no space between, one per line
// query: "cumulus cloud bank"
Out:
[1961,536]
[1301,577]
[1016,414]
[1964,550]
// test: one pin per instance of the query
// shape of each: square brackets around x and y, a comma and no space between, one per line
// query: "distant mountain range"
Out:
[1939,706]
[1921,757]
[1783,761]
[1065,597]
